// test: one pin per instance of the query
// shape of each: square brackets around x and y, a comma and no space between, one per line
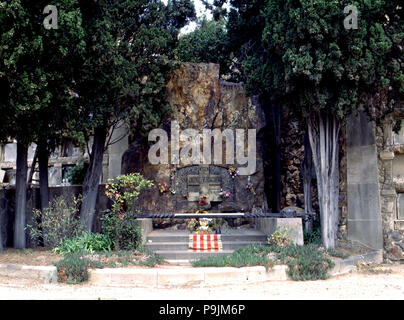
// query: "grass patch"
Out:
[337,254]
[307,262]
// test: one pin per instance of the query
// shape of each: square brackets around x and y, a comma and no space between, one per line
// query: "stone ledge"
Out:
[179,276]
[349,264]
[46,273]
[185,277]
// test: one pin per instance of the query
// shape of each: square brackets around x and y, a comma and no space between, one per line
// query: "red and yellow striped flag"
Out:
[205,242]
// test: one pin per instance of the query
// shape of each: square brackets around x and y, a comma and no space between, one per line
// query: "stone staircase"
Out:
[173,244]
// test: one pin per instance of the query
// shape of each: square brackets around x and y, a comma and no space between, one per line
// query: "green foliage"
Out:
[207,43]
[77,174]
[337,254]
[56,223]
[306,262]
[251,255]
[280,238]
[73,268]
[36,67]
[313,237]
[86,242]
[152,258]
[397,126]
[124,70]
[120,224]
[299,53]
[125,233]
[125,190]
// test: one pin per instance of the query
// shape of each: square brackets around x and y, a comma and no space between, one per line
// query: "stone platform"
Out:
[173,244]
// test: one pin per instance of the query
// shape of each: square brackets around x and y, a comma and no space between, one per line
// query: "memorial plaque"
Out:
[203,184]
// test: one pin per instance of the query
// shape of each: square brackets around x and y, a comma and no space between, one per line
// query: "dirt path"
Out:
[357,285]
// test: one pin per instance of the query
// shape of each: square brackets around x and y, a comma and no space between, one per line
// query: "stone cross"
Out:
[203,184]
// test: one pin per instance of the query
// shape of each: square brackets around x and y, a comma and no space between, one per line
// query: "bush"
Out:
[58,222]
[313,237]
[86,242]
[120,223]
[124,234]
[73,269]
[306,262]
[77,174]
[280,238]
[251,255]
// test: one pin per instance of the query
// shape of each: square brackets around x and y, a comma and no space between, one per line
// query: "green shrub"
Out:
[306,262]
[58,222]
[124,234]
[120,223]
[73,269]
[280,238]
[335,253]
[77,174]
[152,258]
[86,242]
[251,255]
[313,237]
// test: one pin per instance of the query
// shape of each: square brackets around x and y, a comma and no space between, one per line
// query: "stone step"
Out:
[252,236]
[183,245]
[188,254]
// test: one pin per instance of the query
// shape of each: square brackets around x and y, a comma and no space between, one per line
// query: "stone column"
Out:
[363,192]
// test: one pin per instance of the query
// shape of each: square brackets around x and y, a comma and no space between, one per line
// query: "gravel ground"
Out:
[356,285]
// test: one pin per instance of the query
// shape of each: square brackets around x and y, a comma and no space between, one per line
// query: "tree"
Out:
[300,53]
[207,43]
[326,72]
[123,73]
[34,67]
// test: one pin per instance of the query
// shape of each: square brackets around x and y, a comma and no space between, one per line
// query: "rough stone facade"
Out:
[200,100]
[390,147]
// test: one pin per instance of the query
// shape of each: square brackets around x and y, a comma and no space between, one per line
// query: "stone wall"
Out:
[200,100]
[390,147]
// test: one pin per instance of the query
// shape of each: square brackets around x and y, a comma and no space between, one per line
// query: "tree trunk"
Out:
[276,121]
[33,164]
[20,196]
[92,179]
[323,134]
[307,170]
[1,237]
[43,158]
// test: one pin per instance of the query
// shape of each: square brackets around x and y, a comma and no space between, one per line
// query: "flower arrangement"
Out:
[203,200]
[224,194]
[233,172]
[163,187]
[200,226]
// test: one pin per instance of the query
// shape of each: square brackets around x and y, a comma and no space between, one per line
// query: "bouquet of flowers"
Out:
[233,172]
[203,200]
[163,187]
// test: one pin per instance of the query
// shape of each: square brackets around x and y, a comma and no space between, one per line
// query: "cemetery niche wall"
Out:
[390,146]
